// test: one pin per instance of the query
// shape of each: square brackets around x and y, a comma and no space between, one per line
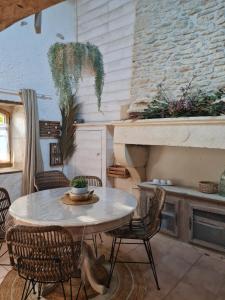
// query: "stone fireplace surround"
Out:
[133,138]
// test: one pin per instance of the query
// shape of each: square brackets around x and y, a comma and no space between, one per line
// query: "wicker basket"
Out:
[208,187]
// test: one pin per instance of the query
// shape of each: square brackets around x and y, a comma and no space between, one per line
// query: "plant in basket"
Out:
[79,185]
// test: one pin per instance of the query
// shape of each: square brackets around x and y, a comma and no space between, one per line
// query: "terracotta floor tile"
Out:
[186,291]
[175,265]
[201,276]
[167,282]
[184,271]
[3,272]
[213,262]
[221,292]
[186,252]
[4,259]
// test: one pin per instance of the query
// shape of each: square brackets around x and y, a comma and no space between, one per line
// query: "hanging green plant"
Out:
[67,62]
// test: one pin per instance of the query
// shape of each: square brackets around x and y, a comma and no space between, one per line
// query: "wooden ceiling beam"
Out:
[12,11]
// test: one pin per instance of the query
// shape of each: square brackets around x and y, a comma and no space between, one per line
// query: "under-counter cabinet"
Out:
[207,227]
[191,216]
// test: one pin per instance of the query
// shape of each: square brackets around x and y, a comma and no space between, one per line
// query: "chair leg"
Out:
[64,294]
[78,292]
[112,250]
[95,244]
[27,290]
[33,286]
[85,292]
[151,260]
[100,236]
[113,259]
[39,290]
[24,289]
[71,290]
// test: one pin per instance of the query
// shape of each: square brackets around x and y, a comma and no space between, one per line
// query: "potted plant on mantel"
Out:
[192,103]
[79,185]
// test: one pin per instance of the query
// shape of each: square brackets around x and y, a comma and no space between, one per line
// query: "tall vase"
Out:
[222,184]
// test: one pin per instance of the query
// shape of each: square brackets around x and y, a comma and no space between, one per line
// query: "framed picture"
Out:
[55,155]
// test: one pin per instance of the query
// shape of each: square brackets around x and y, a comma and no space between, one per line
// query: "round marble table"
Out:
[114,208]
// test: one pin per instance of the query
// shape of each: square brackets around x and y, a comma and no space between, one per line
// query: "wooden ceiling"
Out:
[12,11]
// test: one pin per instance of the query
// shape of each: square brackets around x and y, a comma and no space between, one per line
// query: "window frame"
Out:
[7,164]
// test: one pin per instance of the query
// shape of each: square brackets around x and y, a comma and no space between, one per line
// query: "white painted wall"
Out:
[24,64]
[109,24]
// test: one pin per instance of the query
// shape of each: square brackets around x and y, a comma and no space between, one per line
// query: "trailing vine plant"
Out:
[67,62]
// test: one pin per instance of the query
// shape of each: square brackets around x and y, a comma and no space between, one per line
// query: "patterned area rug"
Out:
[127,283]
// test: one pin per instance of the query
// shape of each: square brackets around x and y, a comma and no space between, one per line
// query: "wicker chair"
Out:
[142,229]
[93,181]
[50,180]
[42,255]
[4,207]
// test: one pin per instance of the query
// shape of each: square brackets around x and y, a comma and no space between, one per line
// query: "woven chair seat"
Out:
[135,230]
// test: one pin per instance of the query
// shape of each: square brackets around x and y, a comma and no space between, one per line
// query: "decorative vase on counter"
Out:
[222,184]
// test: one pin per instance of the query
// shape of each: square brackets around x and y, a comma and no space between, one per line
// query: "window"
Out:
[4,139]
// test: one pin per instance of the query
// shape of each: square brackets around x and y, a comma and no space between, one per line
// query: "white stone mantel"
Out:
[203,132]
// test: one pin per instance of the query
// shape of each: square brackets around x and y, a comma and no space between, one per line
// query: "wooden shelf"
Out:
[49,129]
[118,171]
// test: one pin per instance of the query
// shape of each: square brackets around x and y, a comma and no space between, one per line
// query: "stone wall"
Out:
[176,39]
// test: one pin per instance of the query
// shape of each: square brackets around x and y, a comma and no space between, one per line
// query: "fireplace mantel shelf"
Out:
[203,132]
[172,121]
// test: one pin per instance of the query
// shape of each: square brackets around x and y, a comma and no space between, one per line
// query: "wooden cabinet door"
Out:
[87,159]
[169,218]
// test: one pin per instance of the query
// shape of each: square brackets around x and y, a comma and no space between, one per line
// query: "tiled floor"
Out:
[4,260]
[185,272]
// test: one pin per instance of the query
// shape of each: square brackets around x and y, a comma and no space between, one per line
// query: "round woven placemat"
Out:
[91,199]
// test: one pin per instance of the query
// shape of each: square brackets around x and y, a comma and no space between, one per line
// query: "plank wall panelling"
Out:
[110,26]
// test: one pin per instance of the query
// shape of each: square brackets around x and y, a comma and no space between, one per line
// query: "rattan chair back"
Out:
[4,207]
[91,180]
[50,180]
[152,220]
[43,254]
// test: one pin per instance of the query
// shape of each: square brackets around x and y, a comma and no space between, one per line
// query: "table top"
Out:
[46,208]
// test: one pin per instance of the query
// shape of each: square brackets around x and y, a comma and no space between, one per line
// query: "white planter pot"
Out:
[79,191]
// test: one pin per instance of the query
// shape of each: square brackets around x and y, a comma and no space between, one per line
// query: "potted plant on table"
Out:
[79,185]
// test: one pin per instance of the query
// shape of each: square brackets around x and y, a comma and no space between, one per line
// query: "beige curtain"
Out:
[33,162]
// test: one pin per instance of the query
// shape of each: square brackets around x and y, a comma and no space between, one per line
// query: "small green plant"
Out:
[80,182]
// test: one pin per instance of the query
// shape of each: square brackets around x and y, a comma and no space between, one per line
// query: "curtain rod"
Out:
[11,92]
